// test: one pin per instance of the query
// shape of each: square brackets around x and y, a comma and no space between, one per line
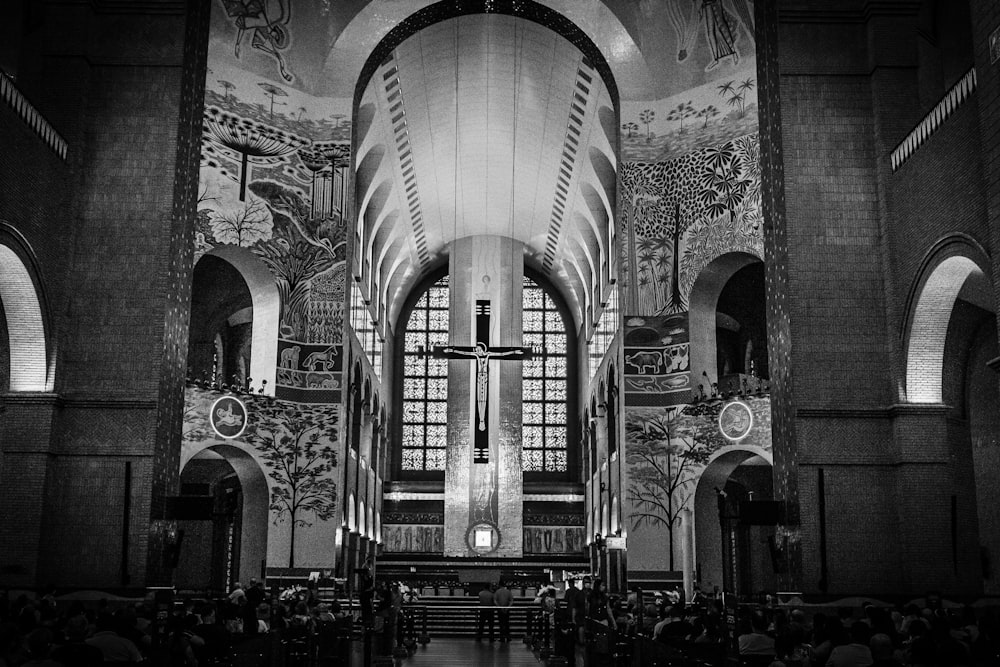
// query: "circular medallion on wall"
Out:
[483,538]
[228,417]
[735,420]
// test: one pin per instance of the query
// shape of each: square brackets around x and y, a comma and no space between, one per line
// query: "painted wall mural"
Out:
[554,540]
[657,360]
[681,214]
[410,538]
[298,448]
[274,180]
[668,449]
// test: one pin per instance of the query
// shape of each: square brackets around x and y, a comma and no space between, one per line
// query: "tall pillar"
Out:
[484,499]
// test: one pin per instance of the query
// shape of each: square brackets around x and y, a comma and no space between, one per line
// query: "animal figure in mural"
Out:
[268,21]
[325,360]
[290,357]
[321,381]
[645,359]
[678,359]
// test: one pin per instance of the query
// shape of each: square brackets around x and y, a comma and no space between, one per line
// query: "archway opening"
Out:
[728,325]
[223,513]
[23,355]
[731,554]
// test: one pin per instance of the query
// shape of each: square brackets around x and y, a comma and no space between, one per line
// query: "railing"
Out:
[30,115]
[930,123]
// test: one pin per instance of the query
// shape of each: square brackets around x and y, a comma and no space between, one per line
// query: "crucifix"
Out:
[482,353]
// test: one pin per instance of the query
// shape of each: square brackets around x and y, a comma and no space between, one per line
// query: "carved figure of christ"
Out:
[482,353]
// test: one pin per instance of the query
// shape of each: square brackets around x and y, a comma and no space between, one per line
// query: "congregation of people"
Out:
[192,633]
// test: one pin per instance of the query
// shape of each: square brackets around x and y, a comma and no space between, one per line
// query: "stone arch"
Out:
[24,308]
[707,533]
[255,545]
[266,311]
[703,302]
[954,265]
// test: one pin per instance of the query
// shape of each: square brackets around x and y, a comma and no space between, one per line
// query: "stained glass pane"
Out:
[533,340]
[555,344]
[437,320]
[413,412]
[412,341]
[424,430]
[533,368]
[555,413]
[555,460]
[418,320]
[413,366]
[437,413]
[413,459]
[435,459]
[413,389]
[533,460]
[544,382]
[555,390]
[532,436]
[553,321]
[437,436]
[531,413]
[437,389]
[532,390]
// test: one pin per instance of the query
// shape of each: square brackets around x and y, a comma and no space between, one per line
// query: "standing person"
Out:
[255,597]
[486,602]
[503,599]
[366,592]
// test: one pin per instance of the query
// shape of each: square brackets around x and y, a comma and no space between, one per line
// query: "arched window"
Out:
[544,391]
[425,382]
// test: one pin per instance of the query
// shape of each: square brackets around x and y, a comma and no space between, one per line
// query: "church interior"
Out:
[673,293]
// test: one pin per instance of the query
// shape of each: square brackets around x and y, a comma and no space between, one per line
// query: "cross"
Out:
[482,353]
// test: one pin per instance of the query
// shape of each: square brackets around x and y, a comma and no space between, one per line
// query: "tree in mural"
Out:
[682,112]
[241,226]
[273,91]
[708,113]
[250,142]
[647,117]
[226,86]
[630,129]
[745,87]
[663,452]
[296,442]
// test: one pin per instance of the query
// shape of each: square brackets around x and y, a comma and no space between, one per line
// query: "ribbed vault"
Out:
[485,124]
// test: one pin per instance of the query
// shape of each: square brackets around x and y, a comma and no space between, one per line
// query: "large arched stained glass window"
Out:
[425,382]
[545,382]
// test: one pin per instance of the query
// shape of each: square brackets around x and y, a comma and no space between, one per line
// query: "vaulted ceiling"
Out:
[485,124]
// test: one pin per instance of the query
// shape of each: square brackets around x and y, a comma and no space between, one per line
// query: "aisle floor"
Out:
[442,652]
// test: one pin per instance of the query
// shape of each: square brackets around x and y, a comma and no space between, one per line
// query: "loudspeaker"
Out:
[761,512]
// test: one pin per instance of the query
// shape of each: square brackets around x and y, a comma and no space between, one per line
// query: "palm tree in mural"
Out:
[646,255]
[296,442]
[745,87]
[646,117]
